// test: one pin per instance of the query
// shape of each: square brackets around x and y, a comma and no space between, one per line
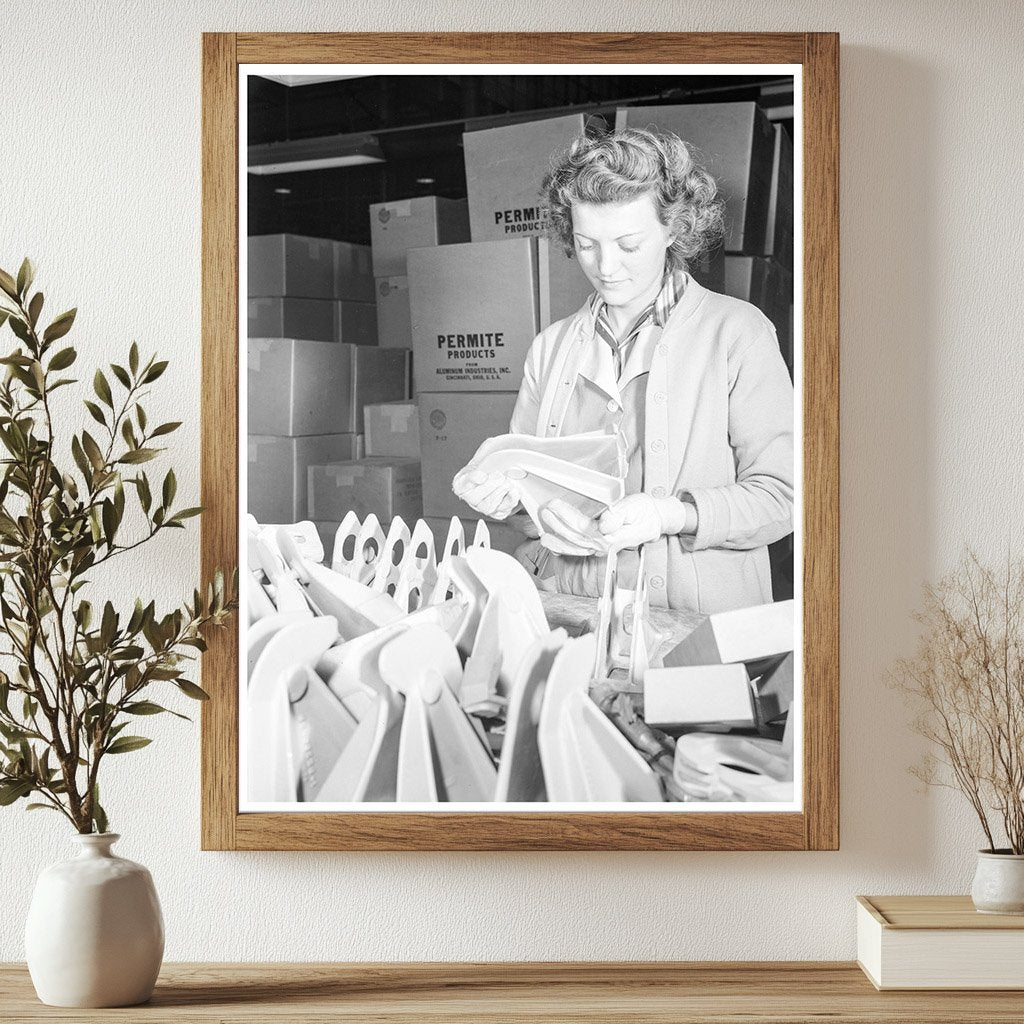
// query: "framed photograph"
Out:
[520,419]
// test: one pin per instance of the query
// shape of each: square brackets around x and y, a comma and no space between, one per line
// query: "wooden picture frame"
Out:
[816,827]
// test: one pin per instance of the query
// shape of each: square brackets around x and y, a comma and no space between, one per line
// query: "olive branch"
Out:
[81,674]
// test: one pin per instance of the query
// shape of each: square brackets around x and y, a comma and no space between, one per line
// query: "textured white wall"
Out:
[99,182]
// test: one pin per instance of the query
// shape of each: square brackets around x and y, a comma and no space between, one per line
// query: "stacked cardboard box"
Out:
[299,387]
[505,167]
[313,319]
[277,469]
[311,288]
[394,328]
[475,311]
[392,430]
[383,487]
[395,228]
[305,403]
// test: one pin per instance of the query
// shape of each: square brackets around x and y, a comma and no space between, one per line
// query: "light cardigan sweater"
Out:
[718,431]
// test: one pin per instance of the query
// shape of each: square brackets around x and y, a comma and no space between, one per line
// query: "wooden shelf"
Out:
[664,993]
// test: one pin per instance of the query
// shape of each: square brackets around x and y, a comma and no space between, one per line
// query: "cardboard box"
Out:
[277,469]
[299,387]
[285,317]
[748,635]
[394,329]
[378,375]
[292,265]
[735,143]
[355,322]
[384,487]
[452,427]
[392,430]
[778,242]
[413,223]
[769,287]
[313,319]
[475,312]
[698,695]
[503,537]
[563,287]
[352,273]
[504,170]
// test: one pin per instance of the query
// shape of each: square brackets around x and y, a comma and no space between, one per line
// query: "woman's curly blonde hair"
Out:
[622,165]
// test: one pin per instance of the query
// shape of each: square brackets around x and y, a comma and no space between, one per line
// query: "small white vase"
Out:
[95,933]
[999,883]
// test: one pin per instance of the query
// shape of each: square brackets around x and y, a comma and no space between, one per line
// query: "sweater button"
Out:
[658,445]
[660,397]
[658,492]
[612,405]
[658,582]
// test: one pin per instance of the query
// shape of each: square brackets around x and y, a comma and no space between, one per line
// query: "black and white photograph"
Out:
[520,496]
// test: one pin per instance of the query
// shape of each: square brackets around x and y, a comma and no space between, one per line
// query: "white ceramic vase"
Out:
[999,883]
[95,933]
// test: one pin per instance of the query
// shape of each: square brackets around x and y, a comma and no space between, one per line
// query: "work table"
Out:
[640,993]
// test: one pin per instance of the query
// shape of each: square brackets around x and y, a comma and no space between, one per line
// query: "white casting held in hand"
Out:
[585,470]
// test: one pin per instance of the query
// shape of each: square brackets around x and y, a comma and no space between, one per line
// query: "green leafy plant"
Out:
[81,672]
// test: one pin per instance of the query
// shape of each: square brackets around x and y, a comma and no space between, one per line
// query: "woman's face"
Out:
[621,248]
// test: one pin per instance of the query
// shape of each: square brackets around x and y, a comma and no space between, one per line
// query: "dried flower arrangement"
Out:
[967,680]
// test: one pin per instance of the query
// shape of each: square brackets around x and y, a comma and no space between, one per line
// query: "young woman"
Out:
[693,380]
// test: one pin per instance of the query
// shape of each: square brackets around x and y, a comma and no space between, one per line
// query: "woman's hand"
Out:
[522,522]
[491,494]
[567,531]
[639,518]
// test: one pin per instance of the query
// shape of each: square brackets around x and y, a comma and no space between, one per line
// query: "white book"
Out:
[938,942]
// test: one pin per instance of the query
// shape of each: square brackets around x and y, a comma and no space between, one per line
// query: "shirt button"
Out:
[658,445]
[660,397]
[612,405]
[658,492]
[657,582]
